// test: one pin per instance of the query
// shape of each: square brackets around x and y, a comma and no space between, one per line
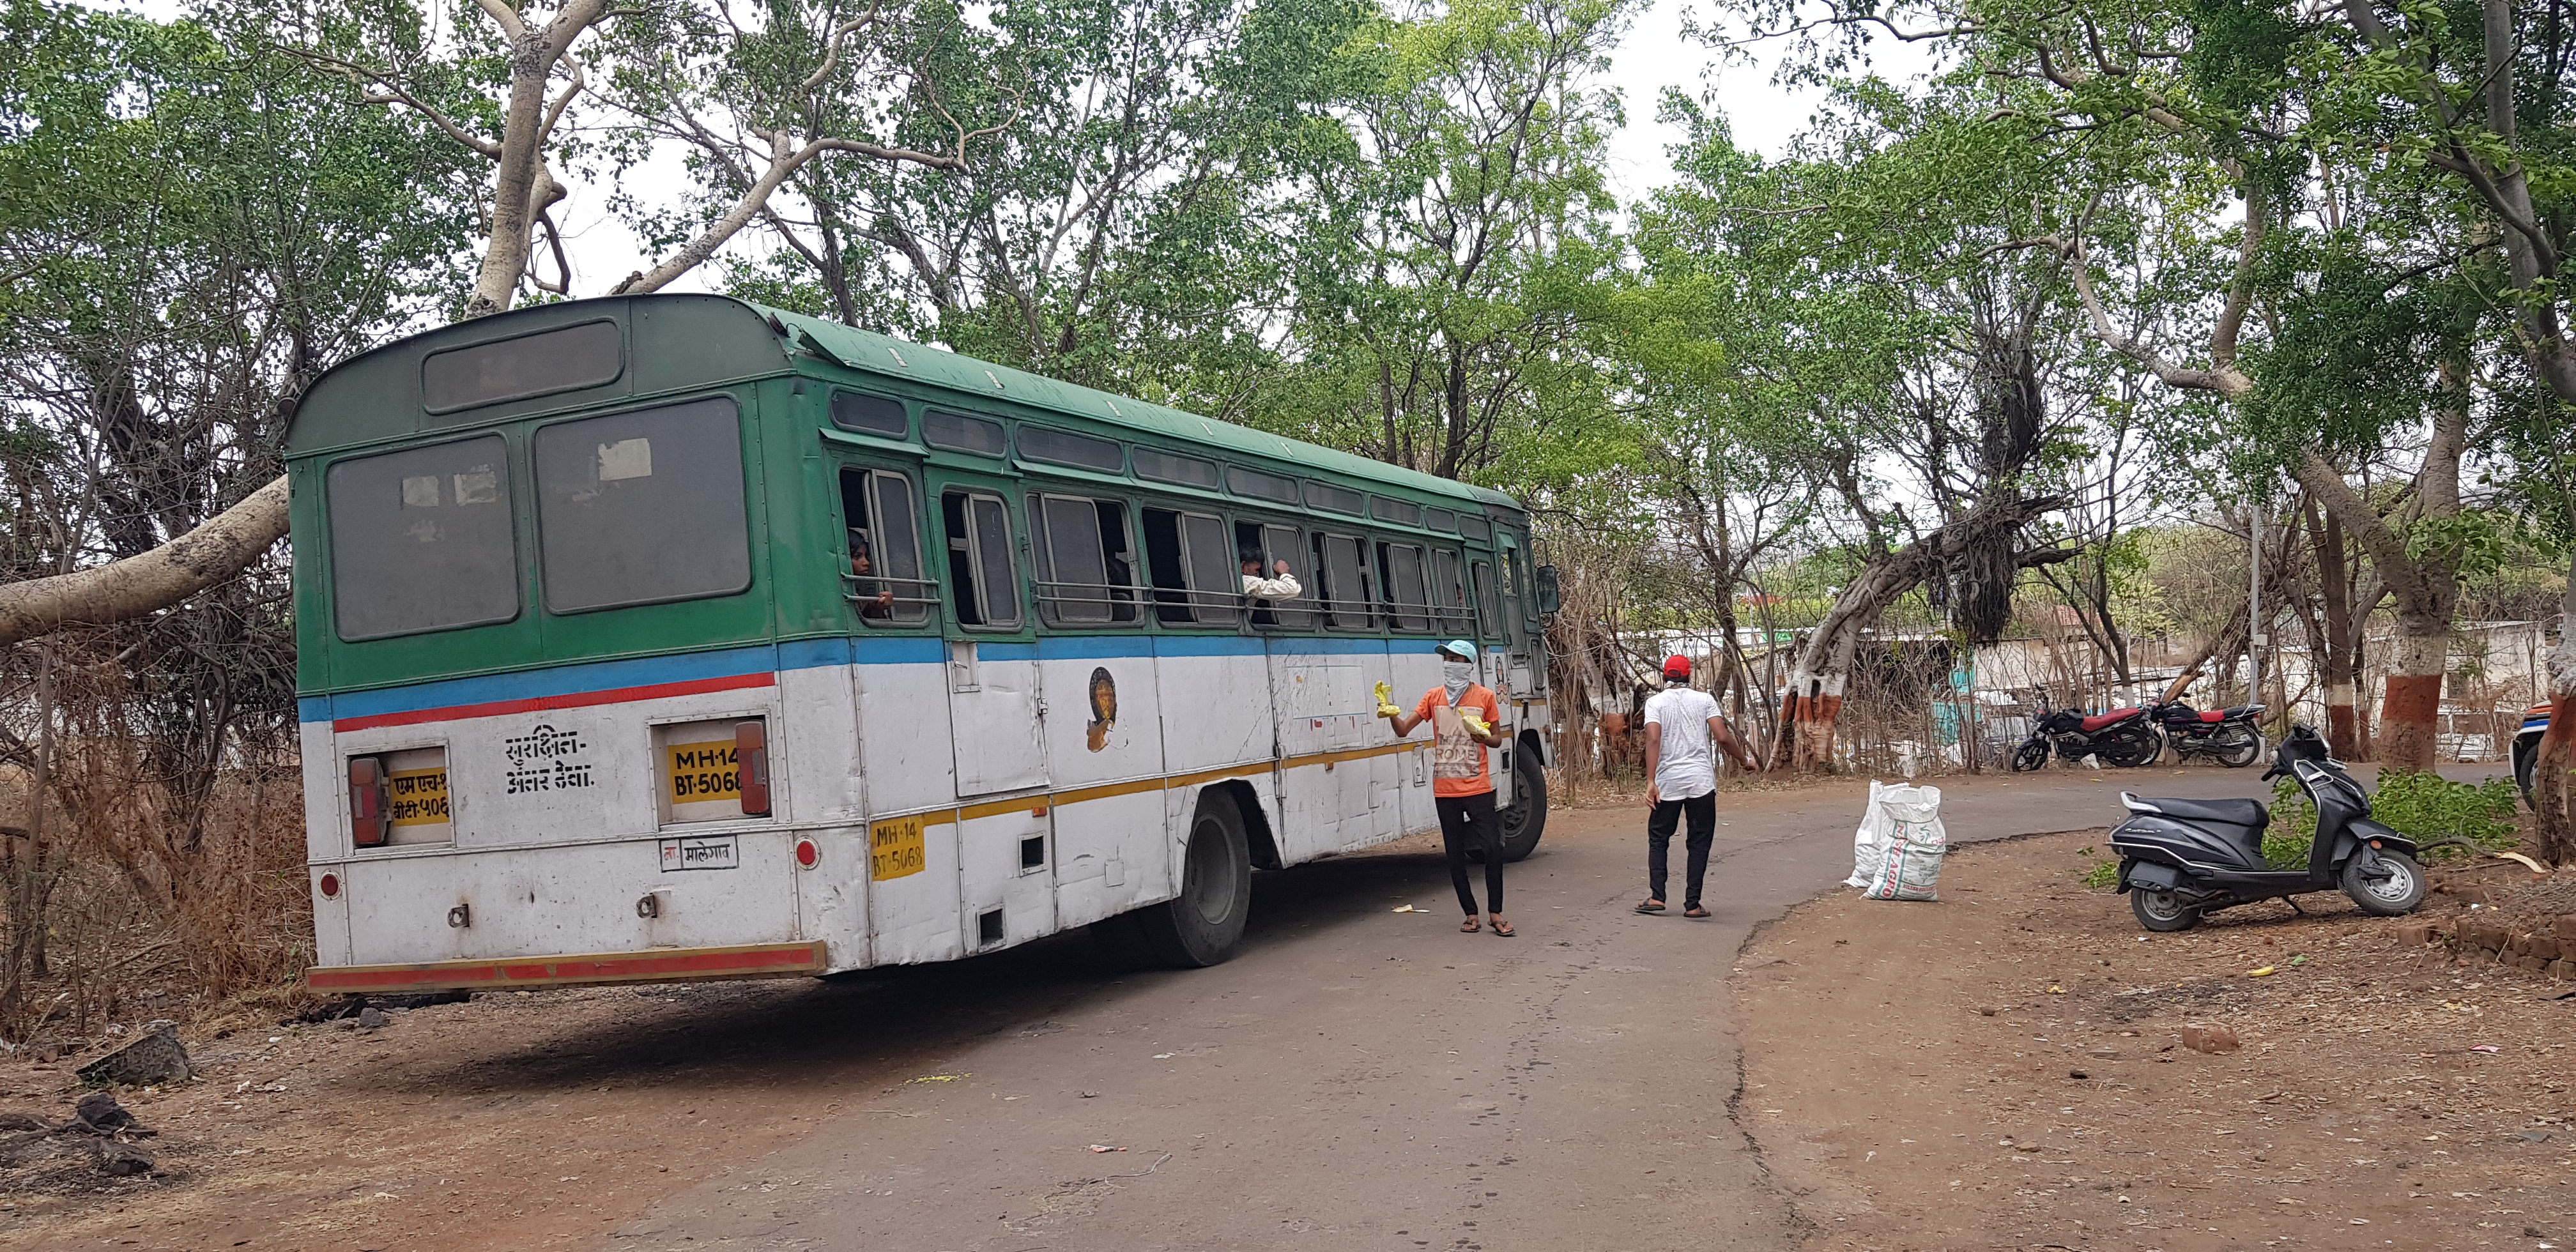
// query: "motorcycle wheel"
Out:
[2032,754]
[2236,746]
[2392,896]
[2162,910]
[2130,751]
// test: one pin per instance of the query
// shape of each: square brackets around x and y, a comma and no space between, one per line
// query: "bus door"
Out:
[994,701]
[1005,856]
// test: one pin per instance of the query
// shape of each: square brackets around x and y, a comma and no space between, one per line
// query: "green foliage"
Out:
[2100,873]
[2424,807]
[2293,829]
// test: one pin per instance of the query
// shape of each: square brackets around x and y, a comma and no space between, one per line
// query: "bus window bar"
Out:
[1111,596]
[865,587]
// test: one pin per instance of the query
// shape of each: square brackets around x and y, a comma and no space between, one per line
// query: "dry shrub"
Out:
[158,880]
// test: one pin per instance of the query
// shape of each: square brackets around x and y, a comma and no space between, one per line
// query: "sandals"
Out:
[1469,927]
[1695,911]
[1503,930]
[1651,906]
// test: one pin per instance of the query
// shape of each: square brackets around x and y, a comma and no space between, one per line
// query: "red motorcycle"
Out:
[2227,735]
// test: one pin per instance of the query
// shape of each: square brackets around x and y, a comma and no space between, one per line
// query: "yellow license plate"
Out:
[701,773]
[419,796]
[895,848]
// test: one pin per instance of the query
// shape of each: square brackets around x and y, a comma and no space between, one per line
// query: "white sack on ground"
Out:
[1897,853]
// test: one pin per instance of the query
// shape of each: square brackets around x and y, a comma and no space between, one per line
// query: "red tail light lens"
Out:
[807,855]
[330,886]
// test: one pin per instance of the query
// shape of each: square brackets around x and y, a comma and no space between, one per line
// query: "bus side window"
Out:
[983,586]
[1489,611]
[1346,590]
[1400,577]
[884,576]
[1274,544]
[1449,613]
[1086,569]
[1196,578]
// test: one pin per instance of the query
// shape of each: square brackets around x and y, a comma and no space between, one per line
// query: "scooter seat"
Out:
[2232,812]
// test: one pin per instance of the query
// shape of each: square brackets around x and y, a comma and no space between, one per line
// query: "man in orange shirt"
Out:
[1463,715]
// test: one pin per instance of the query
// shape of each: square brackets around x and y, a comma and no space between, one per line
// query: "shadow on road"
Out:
[869,1026]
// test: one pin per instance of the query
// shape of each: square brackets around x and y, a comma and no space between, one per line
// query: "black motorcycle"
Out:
[2121,737]
[2227,734]
[2183,859]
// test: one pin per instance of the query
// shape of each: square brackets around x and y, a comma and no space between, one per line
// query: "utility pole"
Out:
[2255,636]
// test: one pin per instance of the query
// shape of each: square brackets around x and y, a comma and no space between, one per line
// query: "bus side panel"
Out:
[326,839]
[1323,690]
[903,738]
[582,898]
[832,897]
[820,762]
[912,918]
[1110,856]
[1104,716]
[1215,703]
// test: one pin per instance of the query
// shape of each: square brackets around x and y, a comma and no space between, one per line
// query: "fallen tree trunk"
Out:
[218,550]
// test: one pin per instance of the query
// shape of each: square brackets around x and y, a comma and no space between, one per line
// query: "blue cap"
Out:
[1461,647]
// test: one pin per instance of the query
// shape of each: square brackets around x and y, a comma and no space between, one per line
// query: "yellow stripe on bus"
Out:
[1038,804]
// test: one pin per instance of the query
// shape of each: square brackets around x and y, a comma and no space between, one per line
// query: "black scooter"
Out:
[2181,859]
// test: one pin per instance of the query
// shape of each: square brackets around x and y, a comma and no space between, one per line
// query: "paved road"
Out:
[1358,1078]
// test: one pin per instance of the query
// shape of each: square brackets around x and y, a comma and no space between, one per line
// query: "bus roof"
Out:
[377,395]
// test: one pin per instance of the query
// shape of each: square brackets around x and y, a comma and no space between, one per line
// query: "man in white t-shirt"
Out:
[1684,734]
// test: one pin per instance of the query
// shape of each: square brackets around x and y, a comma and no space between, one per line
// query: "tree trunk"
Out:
[2555,838]
[2411,711]
[2228,639]
[210,554]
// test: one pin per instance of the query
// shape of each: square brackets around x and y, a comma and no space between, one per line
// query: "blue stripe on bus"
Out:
[587,676]
[560,680]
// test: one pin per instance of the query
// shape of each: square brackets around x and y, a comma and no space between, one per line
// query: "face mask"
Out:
[1456,676]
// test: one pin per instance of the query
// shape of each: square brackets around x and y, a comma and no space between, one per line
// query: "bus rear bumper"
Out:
[761,960]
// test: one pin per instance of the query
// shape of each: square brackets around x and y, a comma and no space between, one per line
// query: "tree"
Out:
[513,92]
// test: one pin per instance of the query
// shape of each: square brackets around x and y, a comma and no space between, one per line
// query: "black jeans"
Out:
[1465,822]
[1659,836]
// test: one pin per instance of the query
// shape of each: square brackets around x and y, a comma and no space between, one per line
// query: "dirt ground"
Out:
[2003,1069]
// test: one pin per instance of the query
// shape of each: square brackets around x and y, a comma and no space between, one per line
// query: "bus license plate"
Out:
[895,848]
[701,852]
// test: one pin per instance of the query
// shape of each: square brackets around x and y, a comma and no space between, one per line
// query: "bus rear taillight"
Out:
[369,825]
[807,854]
[751,754]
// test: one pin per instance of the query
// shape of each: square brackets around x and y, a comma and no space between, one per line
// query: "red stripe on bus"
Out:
[522,972]
[539,704]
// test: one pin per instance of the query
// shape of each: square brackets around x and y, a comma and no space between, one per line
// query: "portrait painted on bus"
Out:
[1104,708]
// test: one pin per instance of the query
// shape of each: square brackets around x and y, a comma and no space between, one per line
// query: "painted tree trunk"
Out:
[1807,716]
[2412,708]
[2344,729]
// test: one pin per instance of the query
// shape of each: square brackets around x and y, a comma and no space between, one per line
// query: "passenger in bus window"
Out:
[863,565]
[1282,585]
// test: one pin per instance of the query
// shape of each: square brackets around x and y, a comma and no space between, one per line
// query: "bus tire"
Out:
[1526,819]
[1203,924]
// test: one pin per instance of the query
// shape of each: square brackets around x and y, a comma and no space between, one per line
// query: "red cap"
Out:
[1676,666]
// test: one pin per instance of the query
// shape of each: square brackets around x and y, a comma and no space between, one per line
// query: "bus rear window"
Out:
[642,507]
[549,361]
[421,540]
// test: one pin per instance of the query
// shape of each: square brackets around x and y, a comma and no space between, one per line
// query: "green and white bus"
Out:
[675,637]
